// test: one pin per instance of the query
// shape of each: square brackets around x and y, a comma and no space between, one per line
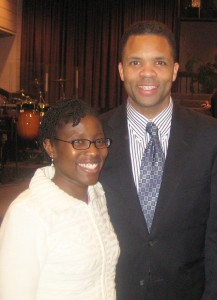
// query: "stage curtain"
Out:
[78,41]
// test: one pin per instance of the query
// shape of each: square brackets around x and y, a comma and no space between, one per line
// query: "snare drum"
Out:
[27,105]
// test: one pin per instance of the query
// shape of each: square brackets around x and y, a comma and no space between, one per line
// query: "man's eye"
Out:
[134,63]
[161,63]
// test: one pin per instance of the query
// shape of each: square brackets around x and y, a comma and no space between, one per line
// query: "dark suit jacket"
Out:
[178,259]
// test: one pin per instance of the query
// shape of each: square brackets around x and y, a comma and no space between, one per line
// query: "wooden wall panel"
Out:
[8,16]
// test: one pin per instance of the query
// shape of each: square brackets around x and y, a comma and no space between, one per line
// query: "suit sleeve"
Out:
[210,292]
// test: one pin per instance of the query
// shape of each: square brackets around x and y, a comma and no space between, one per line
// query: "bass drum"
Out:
[28,124]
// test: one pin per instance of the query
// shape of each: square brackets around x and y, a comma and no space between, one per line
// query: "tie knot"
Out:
[152,129]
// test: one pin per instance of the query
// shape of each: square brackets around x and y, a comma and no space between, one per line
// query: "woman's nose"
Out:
[92,149]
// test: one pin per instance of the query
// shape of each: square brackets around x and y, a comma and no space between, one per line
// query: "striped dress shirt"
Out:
[139,138]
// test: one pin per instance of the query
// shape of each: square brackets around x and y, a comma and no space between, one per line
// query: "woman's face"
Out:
[75,169]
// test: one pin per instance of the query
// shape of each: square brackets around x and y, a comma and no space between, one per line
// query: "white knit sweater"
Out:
[55,247]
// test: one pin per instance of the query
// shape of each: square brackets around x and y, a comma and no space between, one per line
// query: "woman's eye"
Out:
[100,141]
[79,142]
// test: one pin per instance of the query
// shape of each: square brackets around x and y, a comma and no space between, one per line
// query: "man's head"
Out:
[146,28]
[148,66]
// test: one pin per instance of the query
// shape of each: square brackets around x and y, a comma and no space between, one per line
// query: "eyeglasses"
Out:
[83,144]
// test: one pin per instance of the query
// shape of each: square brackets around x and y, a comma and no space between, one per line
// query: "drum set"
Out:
[20,119]
[29,116]
[27,113]
[31,112]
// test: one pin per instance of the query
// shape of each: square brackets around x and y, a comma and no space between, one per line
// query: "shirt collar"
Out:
[138,122]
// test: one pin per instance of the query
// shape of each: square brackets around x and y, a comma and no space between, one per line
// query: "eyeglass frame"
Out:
[107,140]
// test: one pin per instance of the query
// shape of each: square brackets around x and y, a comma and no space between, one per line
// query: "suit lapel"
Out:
[120,156]
[177,157]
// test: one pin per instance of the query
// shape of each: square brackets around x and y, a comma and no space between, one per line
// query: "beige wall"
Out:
[8,15]
[10,41]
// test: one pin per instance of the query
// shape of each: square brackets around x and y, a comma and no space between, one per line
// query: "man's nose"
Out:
[147,70]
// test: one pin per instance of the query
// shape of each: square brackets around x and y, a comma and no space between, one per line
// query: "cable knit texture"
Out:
[55,247]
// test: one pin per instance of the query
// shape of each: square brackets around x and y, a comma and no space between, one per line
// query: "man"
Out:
[211,106]
[173,257]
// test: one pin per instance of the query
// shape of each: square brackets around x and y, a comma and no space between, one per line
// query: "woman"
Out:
[56,240]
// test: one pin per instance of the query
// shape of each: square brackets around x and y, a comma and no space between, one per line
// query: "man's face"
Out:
[148,70]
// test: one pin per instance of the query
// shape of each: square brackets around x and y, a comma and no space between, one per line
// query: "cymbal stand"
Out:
[38,86]
[62,91]
[41,98]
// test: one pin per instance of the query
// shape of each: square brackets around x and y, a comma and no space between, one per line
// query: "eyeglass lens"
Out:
[85,144]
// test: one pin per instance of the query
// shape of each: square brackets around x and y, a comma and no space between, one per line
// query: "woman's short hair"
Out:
[58,115]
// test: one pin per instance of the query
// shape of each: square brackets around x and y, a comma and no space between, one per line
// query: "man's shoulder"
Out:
[190,117]
[114,114]
[191,113]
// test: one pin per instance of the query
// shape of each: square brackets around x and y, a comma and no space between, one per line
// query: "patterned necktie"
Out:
[151,171]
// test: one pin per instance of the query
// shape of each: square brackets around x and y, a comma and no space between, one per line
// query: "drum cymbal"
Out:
[20,91]
[15,100]
[61,80]
[36,82]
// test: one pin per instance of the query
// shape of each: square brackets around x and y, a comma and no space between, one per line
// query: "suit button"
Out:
[152,243]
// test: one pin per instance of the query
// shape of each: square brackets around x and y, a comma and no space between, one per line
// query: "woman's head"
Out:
[73,136]
[70,110]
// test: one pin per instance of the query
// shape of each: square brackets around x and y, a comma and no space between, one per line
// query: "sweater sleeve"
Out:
[22,253]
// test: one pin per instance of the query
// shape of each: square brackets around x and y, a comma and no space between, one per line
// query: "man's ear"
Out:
[121,71]
[49,148]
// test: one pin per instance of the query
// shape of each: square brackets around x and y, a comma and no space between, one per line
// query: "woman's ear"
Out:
[49,147]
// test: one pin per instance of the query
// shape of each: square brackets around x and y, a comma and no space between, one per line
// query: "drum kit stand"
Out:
[62,88]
